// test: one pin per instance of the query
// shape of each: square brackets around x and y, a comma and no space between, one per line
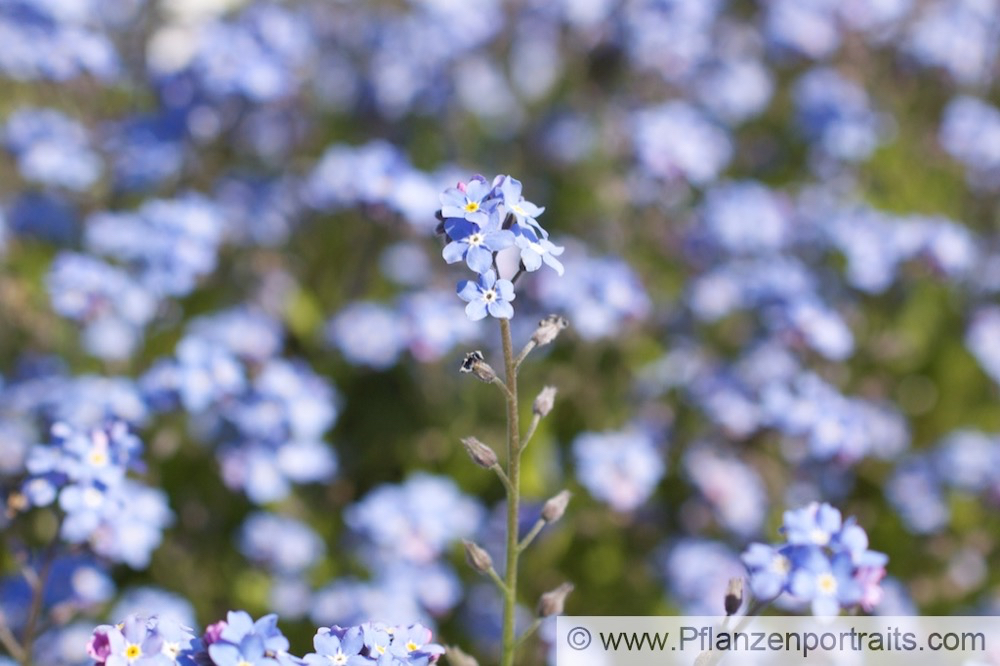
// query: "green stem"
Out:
[529,631]
[526,541]
[513,495]
[535,420]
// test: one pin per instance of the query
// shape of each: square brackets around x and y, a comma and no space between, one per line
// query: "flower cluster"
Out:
[240,641]
[84,472]
[143,642]
[480,220]
[825,562]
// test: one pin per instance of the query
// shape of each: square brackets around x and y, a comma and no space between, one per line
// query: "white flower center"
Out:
[490,295]
[827,584]
[476,239]
[819,537]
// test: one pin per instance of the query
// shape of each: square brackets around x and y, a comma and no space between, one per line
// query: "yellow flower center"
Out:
[411,646]
[471,206]
[827,583]
[133,651]
[780,564]
[519,210]
[98,458]
[243,662]
[380,649]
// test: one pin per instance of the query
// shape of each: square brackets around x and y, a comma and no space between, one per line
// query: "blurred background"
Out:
[782,269]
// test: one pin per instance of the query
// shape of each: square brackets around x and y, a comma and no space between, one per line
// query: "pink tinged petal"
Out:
[501,309]
[476,310]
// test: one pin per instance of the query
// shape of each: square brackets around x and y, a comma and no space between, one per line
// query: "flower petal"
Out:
[476,310]
[501,309]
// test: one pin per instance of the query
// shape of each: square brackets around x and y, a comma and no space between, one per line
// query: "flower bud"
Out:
[476,364]
[734,596]
[545,400]
[555,507]
[478,558]
[457,657]
[481,454]
[549,329]
[552,602]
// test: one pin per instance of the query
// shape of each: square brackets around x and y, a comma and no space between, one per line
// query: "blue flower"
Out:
[523,211]
[412,645]
[815,524]
[535,250]
[248,652]
[476,243]
[468,201]
[769,569]
[487,295]
[827,584]
[338,647]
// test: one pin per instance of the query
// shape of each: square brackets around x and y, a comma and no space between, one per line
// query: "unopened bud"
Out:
[552,603]
[476,364]
[734,595]
[478,558]
[545,400]
[549,329]
[555,507]
[481,454]
[457,657]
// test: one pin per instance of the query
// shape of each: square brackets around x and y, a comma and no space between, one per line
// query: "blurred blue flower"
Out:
[406,519]
[52,149]
[747,217]
[834,112]
[959,36]
[369,334]
[676,141]
[280,544]
[621,468]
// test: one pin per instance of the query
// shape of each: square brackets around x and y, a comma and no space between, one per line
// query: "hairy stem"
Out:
[513,495]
